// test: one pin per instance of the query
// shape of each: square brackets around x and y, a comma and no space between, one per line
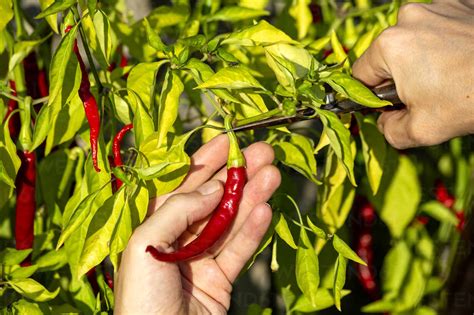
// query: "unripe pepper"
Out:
[226,211]
[90,105]
[14,122]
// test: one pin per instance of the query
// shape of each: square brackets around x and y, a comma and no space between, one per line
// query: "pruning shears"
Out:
[386,92]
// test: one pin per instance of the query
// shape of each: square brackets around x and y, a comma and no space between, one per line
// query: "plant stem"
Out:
[40,100]
[88,52]
[20,30]
[11,96]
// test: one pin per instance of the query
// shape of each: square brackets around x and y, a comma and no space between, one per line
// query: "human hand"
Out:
[429,55]
[201,285]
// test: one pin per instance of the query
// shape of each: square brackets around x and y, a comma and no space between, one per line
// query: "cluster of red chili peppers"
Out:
[442,195]
[90,105]
[226,211]
[25,208]
[366,216]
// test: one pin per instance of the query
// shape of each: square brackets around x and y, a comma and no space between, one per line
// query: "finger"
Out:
[205,163]
[257,156]
[205,166]
[258,190]
[164,227]
[395,125]
[240,249]
[371,68]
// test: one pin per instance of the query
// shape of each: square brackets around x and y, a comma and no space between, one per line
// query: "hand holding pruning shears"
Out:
[145,285]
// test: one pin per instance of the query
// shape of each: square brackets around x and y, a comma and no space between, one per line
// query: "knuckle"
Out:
[175,200]
[411,12]
[387,38]
[417,135]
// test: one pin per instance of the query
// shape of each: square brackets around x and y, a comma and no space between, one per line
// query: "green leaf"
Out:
[11,256]
[425,310]
[4,176]
[234,78]
[52,260]
[317,230]
[354,90]
[55,7]
[413,288]
[342,248]
[169,104]
[22,49]
[380,306]
[262,33]
[64,65]
[133,213]
[52,19]
[153,38]
[307,268]
[289,63]
[340,139]
[79,215]
[99,36]
[164,16]
[374,149]
[288,297]
[141,80]
[302,14]
[236,13]
[324,297]
[395,268]
[284,232]
[175,155]
[399,193]
[33,290]
[9,165]
[156,170]
[142,122]
[23,272]
[99,233]
[440,212]
[339,279]
[24,307]
[297,153]
[338,51]
[67,123]
[255,309]
[6,7]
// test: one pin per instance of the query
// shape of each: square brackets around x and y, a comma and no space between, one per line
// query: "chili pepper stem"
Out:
[236,158]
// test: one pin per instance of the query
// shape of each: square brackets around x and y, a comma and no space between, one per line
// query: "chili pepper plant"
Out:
[101,111]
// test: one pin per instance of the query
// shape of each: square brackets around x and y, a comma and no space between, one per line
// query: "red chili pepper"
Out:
[225,213]
[109,280]
[443,195]
[364,247]
[14,122]
[35,79]
[92,278]
[90,105]
[25,202]
[461,221]
[116,149]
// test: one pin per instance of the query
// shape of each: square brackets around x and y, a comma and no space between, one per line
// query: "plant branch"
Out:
[88,52]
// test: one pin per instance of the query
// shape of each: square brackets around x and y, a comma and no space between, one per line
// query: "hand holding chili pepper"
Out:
[202,284]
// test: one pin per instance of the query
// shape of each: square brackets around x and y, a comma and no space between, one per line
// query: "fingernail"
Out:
[209,187]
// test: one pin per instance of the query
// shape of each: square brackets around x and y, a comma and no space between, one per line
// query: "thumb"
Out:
[371,68]
[179,211]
